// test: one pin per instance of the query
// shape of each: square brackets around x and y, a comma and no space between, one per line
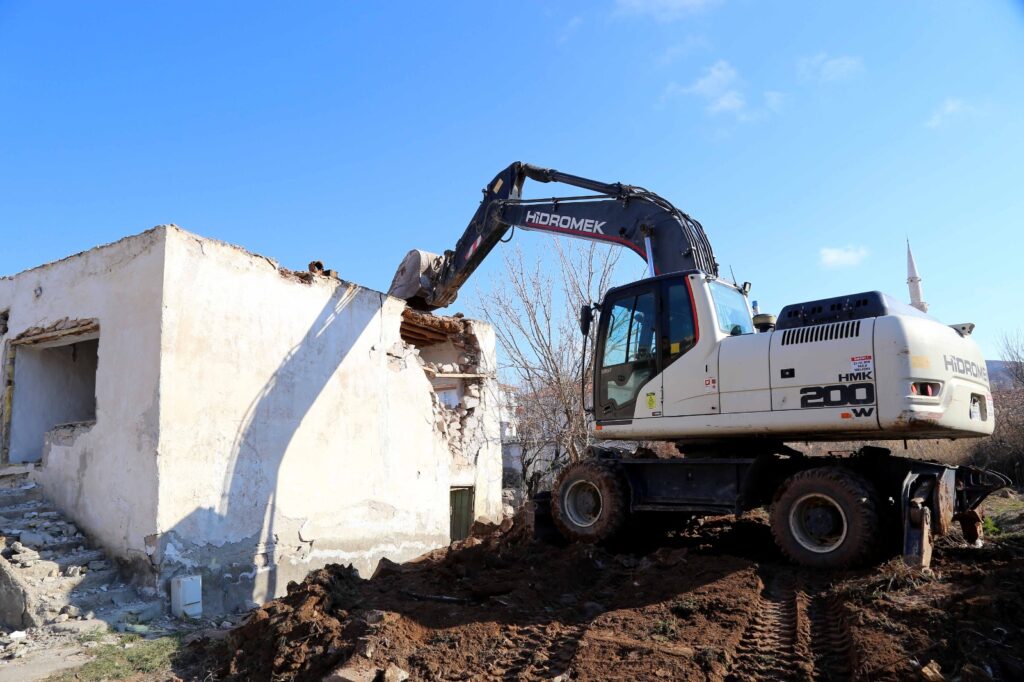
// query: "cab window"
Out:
[681,332]
[617,339]
[731,310]
[641,332]
[629,354]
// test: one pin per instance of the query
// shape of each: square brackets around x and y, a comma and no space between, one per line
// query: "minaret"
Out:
[914,282]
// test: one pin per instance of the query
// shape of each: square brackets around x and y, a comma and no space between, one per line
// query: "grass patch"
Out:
[707,656]
[685,607]
[989,526]
[664,630]
[97,635]
[130,656]
[891,577]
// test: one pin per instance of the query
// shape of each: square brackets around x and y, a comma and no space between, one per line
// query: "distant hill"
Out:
[999,375]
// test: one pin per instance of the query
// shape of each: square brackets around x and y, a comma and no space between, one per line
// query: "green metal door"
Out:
[461,512]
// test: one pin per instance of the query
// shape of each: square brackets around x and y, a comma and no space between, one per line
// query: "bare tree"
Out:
[1011,347]
[536,448]
[534,314]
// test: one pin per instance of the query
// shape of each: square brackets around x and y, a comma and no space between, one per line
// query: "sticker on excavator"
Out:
[861,363]
[711,385]
[652,401]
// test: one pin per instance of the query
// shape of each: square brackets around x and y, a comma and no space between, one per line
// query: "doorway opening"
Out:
[461,512]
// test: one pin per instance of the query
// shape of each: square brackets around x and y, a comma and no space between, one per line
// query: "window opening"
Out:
[54,384]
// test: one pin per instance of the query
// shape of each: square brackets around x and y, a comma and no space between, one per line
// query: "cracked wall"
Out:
[308,419]
[267,423]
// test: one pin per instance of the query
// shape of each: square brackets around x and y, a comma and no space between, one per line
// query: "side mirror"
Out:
[586,317]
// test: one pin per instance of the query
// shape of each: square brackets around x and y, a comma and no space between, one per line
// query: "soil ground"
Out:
[716,602]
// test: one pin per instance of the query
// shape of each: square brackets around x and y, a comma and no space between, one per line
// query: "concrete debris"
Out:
[145,613]
[395,674]
[54,577]
[317,268]
[356,670]
[36,539]
[931,672]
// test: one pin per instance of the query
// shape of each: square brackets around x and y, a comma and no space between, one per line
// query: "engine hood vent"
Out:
[821,332]
[843,309]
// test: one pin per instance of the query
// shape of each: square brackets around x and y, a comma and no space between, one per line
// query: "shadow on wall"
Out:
[250,488]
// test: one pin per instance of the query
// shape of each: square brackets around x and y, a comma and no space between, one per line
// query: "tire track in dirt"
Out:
[796,633]
[829,639]
[536,652]
[768,648]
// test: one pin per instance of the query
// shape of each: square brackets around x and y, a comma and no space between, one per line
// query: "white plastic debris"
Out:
[187,596]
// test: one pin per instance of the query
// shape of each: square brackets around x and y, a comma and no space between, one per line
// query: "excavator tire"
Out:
[826,517]
[589,501]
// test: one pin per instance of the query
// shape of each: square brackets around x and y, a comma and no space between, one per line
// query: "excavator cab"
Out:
[644,327]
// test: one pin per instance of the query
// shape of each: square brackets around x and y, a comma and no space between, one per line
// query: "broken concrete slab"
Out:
[36,539]
[35,592]
[356,670]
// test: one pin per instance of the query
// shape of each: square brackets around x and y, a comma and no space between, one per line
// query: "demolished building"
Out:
[197,409]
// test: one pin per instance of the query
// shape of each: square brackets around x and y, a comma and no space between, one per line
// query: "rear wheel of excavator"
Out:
[826,517]
[589,501]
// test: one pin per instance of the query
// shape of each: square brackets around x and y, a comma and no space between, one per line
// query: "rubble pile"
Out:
[458,422]
[51,575]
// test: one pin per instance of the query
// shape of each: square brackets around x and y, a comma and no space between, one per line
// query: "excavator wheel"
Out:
[826,518]
[589,501]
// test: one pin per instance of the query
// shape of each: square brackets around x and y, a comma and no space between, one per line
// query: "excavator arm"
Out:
[645,223]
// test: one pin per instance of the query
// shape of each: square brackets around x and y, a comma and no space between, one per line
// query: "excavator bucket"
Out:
[412,281]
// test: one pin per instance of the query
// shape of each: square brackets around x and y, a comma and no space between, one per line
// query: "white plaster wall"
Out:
[247,420]
[294,428]
[106,477]
[52,385]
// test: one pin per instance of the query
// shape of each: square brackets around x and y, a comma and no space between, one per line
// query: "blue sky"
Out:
[810,139]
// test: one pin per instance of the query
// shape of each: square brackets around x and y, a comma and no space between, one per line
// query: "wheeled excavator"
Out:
[680,357]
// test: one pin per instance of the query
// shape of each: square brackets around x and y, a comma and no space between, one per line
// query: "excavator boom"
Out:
[645,223]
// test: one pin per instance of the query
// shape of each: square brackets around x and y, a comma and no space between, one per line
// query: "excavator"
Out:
[680,357]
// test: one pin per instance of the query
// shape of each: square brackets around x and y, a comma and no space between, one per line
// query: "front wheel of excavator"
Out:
[826,517]
[589,501]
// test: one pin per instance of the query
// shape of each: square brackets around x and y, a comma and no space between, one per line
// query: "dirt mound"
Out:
[713,603]
[502,606]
